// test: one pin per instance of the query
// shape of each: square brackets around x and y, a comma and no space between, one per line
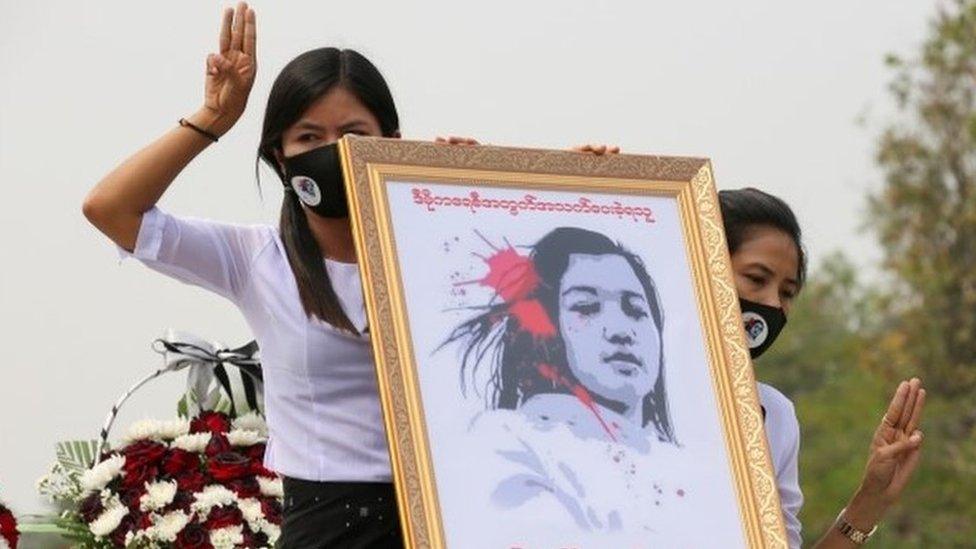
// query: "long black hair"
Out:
[514,354]
[303,81]
[745,209]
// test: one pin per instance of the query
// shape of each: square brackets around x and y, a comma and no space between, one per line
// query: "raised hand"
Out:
[896,445]
[230,73]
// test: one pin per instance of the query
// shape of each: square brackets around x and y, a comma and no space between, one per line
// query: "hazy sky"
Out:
[771,91]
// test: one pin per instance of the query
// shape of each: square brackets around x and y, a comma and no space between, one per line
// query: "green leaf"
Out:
[76,455]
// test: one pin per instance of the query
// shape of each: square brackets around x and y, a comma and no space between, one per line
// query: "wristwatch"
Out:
[852,533]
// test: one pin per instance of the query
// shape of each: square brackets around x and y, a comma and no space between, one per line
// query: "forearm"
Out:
[863,513]
[116,204]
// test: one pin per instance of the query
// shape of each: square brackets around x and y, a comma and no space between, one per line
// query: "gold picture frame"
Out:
[371,165]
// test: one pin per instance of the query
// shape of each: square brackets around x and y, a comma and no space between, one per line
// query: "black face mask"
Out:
[316,177]
[763,324]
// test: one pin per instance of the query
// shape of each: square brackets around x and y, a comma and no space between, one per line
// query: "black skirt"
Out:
[345,515]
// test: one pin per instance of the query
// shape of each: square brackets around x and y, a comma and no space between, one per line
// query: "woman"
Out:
[769,266]
[597,305]
[574,347]
[297,285]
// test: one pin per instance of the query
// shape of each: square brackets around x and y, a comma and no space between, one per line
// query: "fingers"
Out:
[237,29]
[916,418]
[250,33]
[597,149]
[895,407]
[913,386]
[454,140]
[908,466]
[890,451]
[225,27]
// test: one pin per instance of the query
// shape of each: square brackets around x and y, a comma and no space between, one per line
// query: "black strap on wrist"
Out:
[187,124]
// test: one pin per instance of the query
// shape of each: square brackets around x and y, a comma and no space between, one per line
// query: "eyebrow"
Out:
[627,294]
[769,272]
[309,125]
[584,289]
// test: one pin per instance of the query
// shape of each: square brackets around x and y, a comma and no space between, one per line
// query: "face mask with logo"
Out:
[763,323]
[316,177]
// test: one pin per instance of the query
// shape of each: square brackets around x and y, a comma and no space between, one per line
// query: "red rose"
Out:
[130,497]
[228,466]
[182,501]
[259,470]
[246,487]
[91,507]
[193,536]
[117,537]
[223,516]
[178,460]
[8,527]
[142,460]
[254,539]
[218,444]
[191,481]
[143,453]
[136,479]
[271,509]
[255,452]
[213,422]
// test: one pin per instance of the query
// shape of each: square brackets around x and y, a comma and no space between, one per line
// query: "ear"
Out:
[280,159]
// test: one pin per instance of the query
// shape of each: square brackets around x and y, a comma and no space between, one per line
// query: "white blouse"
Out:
[783,434]
[321,397]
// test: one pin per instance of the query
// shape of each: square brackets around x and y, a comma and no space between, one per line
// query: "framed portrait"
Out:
[559,349]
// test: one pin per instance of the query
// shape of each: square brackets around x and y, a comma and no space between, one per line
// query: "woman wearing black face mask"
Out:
[769,266]
[297,284]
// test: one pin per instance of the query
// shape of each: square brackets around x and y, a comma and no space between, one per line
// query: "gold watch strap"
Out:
[852,533]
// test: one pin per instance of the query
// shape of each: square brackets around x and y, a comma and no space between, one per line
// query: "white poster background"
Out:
[435,250]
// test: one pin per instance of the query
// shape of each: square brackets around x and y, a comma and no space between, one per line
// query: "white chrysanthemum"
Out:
[168,430]
[158,495]
[101,474]
[227,537]
[150,429]
[251,421]
[273,532]
[195,443]
[168,526]
[212,496]
[271,487]
[138,536]
[244,437]
[251,511]
[109,520]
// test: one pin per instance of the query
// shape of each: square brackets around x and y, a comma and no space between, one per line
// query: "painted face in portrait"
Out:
[612,344]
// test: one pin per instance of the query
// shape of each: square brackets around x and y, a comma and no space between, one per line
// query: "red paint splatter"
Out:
[533,318]
[511,275]
[549,372]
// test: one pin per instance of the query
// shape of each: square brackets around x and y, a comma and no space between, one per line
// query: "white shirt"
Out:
[321,397]
[783,434]
[604,500]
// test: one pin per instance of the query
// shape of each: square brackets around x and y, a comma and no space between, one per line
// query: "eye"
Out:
[307,137]
[585,308]
[757,281]
[634,309]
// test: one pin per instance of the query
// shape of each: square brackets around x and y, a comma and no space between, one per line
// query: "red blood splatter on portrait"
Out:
[549,372]
[532,317]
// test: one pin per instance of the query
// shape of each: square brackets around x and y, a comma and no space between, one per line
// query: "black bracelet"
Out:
[187,124]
